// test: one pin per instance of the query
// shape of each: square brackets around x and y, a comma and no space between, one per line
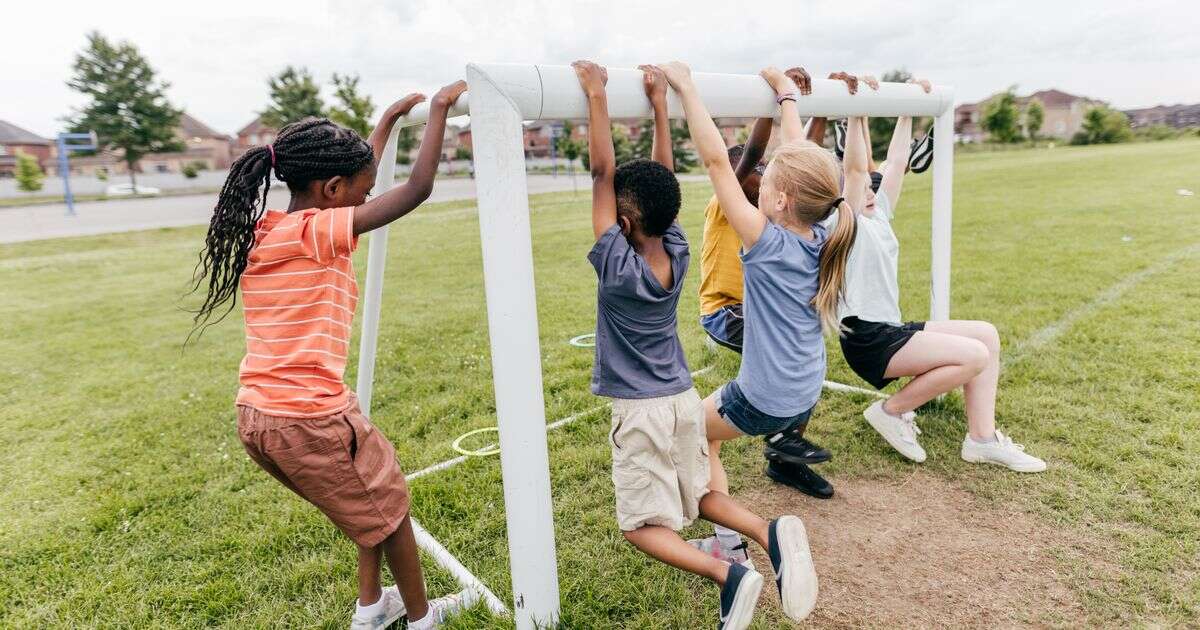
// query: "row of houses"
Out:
[213,150]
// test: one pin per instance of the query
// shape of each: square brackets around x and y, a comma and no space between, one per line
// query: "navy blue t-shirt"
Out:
[638,354]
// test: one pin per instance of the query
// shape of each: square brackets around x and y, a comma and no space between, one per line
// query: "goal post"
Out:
[501,97]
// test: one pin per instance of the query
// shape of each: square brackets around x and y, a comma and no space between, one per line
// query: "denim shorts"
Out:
[738,411]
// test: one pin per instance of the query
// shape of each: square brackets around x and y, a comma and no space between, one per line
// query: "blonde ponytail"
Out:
[808,175]
[832,275]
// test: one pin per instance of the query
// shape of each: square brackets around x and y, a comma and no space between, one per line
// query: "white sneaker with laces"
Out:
[1003,452]
[900,432]
[392,609]
[445,607]
[712,547]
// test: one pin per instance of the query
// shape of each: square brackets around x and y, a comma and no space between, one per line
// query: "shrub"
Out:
[29,173]
[1103,125]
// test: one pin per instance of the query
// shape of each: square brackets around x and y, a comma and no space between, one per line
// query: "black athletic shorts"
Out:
[869,346]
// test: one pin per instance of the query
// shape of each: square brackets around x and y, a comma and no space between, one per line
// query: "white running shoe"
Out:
[393,609]
[445,607]
[711,546]
[900,432]
[1002,452]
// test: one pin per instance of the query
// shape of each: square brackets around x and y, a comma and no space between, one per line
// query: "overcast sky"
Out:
[217,54]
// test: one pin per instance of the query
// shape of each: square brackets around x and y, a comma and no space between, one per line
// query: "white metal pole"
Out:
[503,201]
[943,194]
[385,178]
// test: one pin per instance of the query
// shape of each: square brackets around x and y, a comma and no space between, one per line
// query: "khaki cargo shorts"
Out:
[660,460]
[340,463]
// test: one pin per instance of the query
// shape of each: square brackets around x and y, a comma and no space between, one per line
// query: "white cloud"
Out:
[218,54]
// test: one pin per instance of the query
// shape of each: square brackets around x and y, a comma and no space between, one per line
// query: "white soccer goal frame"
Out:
[503,96]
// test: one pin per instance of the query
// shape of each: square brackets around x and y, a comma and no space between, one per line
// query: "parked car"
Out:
[125,190]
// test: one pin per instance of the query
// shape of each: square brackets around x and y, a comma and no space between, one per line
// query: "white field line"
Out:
[1052,332]
[465,578]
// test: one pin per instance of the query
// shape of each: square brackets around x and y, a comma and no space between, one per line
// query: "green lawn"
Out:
[126,498]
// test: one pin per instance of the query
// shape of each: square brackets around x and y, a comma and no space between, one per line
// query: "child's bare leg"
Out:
[717,431]
[979,393]
[401,551]
[369,559]
[938,363]
[666,546]
[719,508]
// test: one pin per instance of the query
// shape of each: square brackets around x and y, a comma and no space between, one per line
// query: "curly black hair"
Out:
[305,151]
[648,194]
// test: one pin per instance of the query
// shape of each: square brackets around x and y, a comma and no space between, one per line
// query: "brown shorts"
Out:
[340,463]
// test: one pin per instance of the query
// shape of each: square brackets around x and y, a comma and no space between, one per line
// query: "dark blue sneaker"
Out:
[795,576]
[738,597]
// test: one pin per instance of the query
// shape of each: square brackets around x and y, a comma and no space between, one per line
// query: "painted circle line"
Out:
[483,452]
[582,341]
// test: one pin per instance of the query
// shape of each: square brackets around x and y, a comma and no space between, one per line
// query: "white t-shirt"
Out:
[872,291]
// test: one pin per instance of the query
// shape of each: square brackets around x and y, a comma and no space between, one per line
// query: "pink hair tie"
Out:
[271,148]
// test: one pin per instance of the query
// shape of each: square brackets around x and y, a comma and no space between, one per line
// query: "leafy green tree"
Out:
[127,105]
[1103,125]
[1000,117]
[353,110]
[1035,115]
[294,95]
[29,173]
[406,141]
[462,153]
[569,148]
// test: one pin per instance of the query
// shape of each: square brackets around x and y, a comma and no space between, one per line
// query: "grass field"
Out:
[126,498]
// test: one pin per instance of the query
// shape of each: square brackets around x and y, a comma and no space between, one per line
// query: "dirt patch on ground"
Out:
[919,551]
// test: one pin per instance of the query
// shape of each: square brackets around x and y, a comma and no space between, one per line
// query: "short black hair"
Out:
[648,193]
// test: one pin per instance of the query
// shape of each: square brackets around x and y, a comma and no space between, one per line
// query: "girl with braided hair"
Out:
[296,417]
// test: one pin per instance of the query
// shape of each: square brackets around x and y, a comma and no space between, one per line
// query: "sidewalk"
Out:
[31,223]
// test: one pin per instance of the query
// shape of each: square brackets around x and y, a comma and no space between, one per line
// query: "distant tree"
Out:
[406,141]
[643,147]
[462,153]
[623,147]
[1035,115]
[29,173]
[192,169]
[881,127]
[127,105]
[353,110]
[1103,125]
[1000,117]
[294,95]
[569,148]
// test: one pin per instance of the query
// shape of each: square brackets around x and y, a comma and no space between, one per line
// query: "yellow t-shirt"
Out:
[720,266]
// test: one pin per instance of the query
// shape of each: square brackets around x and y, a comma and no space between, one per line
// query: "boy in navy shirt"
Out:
[659,445]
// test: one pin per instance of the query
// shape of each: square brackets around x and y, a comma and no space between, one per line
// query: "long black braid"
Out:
[305,151]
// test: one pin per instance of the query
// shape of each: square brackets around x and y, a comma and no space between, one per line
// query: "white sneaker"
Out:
[900,432]
[445,607]
[392,609]
[1003,452]
[711,546]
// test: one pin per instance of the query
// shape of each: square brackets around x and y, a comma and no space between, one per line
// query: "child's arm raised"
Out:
[404,198]
[786,93]
[602,159]
[854,162]
[756,147]
[898,155]
[745,219]
[379,134]
[655,82]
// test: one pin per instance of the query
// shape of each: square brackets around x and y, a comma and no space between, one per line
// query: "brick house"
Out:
[1064,115]
[14,139]
[1177,116]
[255,133]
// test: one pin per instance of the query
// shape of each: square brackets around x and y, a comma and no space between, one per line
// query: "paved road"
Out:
[33,223]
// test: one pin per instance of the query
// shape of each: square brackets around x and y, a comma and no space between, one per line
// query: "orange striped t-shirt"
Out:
[299,295]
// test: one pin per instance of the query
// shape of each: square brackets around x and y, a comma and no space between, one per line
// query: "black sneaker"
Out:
[738,597]
[920,157]
[839,138]
[795,576]
[786,446]
[800,477]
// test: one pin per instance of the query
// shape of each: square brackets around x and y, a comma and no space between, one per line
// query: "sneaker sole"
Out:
[1032,468]
[799,575]
[898,447]
[781,456]
[744,601]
